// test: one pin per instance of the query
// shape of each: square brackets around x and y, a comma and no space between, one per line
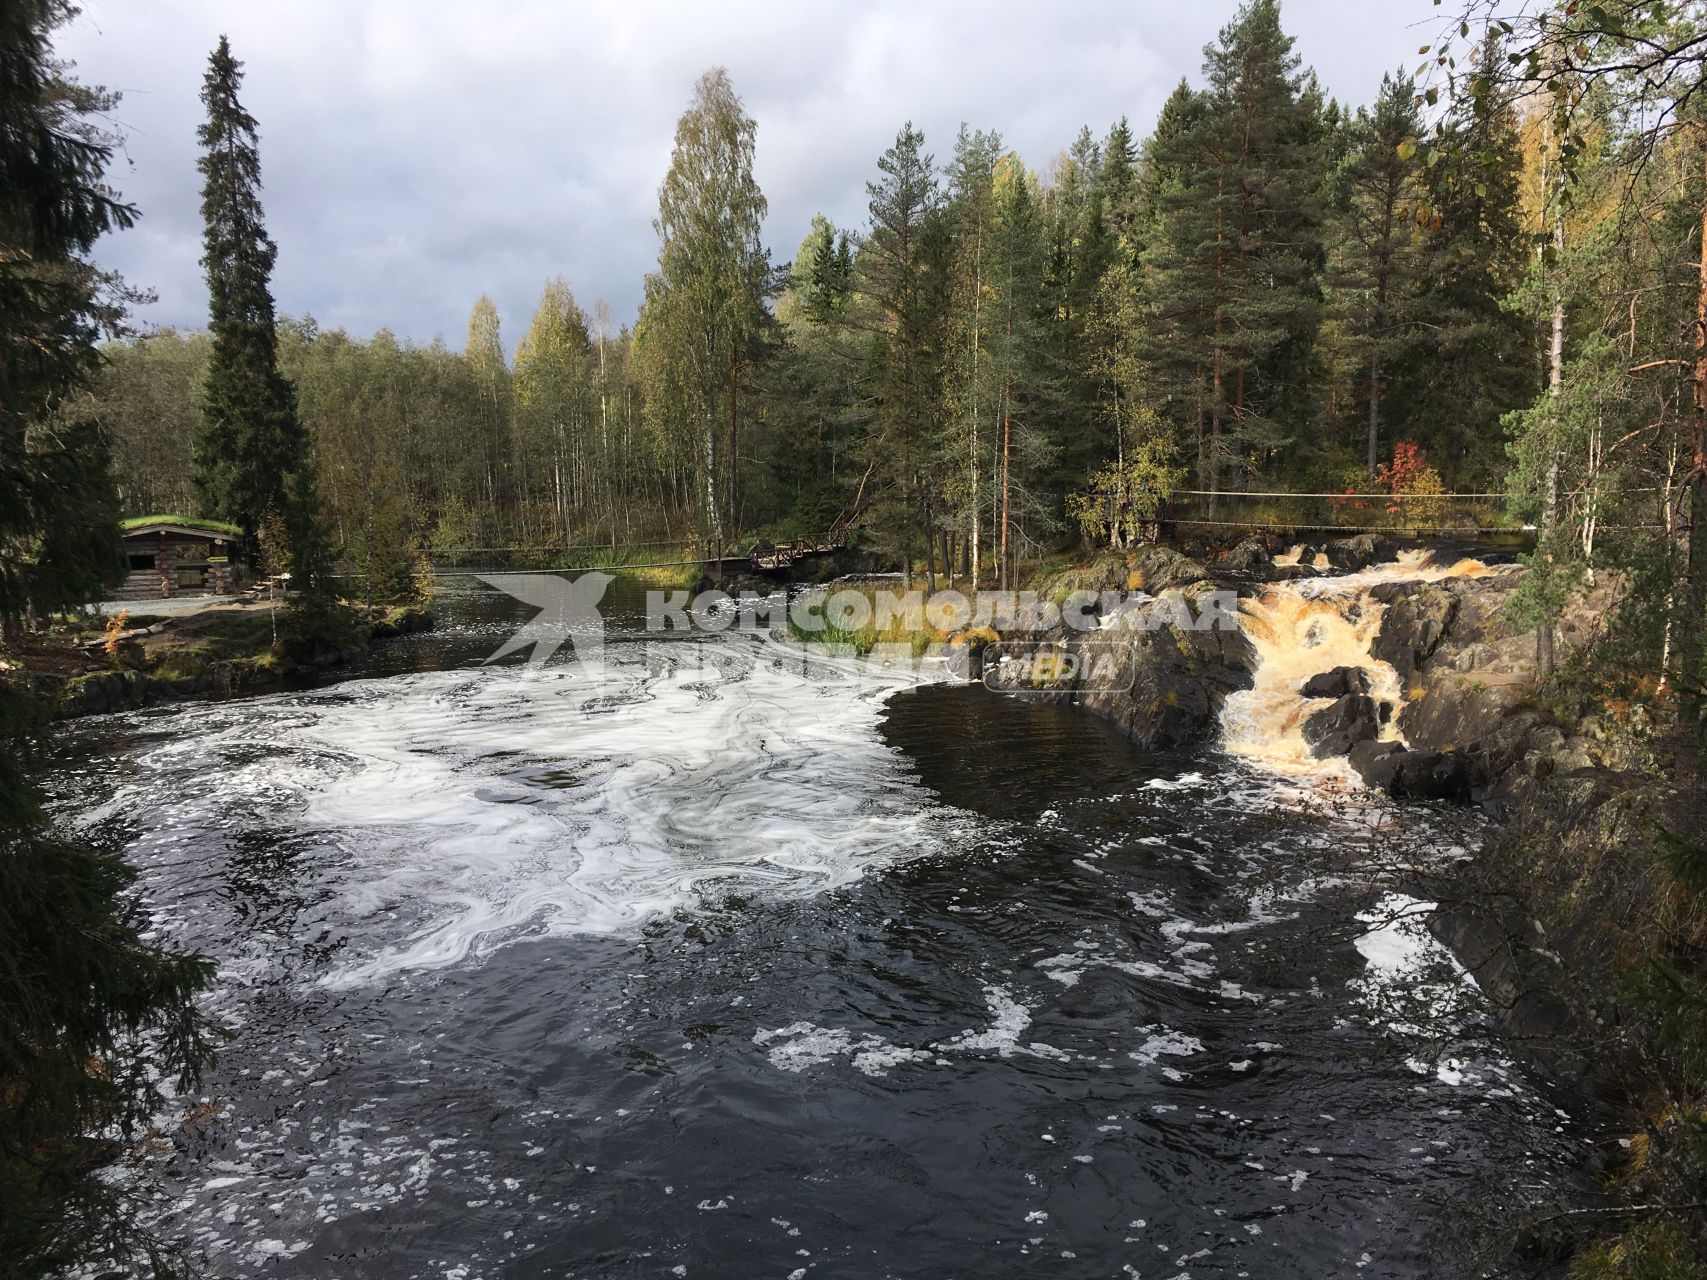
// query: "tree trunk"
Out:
[930,544]
[1374,412]
[734,451]
[1007,442]
[1544,655]
[1695,584]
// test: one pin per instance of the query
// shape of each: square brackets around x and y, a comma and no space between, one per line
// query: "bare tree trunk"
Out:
[1544,655]
[734,451]
[1215,405]
[1695,583]
[1007,443]
[1374,412]
[930,544]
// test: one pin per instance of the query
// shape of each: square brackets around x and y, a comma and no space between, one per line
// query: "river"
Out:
[718,967]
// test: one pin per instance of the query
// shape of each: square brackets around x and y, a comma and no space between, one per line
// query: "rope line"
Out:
[1385,497]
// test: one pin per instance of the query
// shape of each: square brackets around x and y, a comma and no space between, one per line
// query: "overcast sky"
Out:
[418,153]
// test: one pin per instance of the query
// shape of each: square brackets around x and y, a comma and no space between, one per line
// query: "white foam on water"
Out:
[470,808]
[1409,970]
[801,1045]
[1165,1040]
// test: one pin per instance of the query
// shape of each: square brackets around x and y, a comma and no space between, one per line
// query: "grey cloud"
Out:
[418,153]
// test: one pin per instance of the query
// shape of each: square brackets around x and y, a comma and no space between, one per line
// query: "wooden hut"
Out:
[179,556]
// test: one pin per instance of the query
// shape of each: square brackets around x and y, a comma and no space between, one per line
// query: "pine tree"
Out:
[971,392]
[251,445]
[1473,258]
[1176,273]
[1238,249]
[1024,370]
[906,246]
[1082,251]
[1377,270]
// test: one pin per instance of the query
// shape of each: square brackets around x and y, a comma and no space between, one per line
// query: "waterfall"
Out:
[1303,628]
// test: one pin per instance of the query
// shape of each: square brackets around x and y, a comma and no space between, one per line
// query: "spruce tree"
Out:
[1117,186]
[57,536]
[1176,274]
[251,445]
[91,1017]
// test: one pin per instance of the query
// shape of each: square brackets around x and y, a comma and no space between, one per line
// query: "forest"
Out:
[1272,291]
[1490,282]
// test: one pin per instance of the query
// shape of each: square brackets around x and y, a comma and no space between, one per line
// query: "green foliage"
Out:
[1124,496]
[1232,266]
[56,536]
[1376,191]
[93,1016]
[148,394]
[90,1016]
[704,310]
[132,523]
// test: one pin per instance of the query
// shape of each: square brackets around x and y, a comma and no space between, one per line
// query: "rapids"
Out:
[1308,626]
[716,965]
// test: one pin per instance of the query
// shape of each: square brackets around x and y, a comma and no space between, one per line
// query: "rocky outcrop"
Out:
[1351,554]
[1250,556]
[1341,725]
[1171,677]
[1179,679]
[1415,775]
[1466,674]
[1415,622]
[1336,683]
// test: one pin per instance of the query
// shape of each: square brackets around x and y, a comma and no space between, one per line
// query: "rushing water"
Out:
[718,967]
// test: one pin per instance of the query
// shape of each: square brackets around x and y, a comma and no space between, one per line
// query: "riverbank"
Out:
[141,660]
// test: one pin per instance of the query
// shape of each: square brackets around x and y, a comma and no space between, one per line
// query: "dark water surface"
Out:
[710,968]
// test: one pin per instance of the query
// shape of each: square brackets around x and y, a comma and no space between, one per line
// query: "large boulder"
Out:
[1360,552]
[1336,683]
[1336,728]
[1179,676]
[1376,762]
[1157,568]
[1417,775]
[1250,556]
[1414,623]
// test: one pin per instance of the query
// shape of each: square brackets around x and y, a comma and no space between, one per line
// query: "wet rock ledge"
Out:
[1474,733]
